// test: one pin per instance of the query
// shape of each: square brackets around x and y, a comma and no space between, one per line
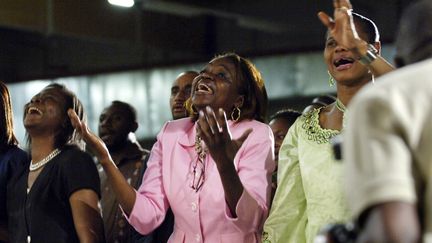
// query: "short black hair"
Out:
[368,26]
[129,110]
[289,115]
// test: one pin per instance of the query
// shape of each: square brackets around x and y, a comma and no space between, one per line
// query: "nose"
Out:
[179,97]
[36,99]
[207,75]
[340,48]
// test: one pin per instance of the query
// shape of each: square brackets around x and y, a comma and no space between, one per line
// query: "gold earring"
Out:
[233,114]
[331,80]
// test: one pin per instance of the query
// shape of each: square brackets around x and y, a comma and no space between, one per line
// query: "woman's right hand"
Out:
[124,192]
[94,143]
[341,27]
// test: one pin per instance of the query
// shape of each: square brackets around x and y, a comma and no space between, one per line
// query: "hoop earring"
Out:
[331,80]
[235,111]
[191,110]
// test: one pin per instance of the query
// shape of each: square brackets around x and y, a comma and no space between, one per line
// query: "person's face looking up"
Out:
[217,86]
[46,109]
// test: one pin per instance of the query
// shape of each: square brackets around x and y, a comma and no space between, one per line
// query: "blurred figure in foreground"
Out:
[387,145]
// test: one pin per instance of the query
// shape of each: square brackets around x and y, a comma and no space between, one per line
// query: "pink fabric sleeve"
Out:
[255,165]
[151,203]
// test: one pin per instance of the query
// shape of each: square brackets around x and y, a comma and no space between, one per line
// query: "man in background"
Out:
[180,92]
[117,126]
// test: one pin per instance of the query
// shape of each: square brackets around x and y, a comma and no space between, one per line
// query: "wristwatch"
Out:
[370,56]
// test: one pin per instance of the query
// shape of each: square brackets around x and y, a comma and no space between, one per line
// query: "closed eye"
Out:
[331,43]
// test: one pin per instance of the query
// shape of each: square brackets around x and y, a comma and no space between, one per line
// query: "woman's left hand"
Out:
[213,129]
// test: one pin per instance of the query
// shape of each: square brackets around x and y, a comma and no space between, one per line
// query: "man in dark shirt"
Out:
[117,125]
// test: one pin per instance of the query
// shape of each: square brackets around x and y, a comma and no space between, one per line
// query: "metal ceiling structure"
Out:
[56,38]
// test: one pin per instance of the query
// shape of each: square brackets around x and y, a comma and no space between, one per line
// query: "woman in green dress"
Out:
[310,191]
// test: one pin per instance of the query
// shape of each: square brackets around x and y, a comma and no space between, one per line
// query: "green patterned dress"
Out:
[310,191]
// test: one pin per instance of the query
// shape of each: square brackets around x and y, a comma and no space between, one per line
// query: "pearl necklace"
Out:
[42,162]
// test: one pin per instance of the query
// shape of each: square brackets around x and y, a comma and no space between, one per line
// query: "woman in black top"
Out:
[56,198]
[11,157]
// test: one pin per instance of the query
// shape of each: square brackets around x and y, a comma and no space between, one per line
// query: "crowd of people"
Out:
[218,172]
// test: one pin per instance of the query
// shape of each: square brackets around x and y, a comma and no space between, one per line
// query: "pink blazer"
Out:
[204,216]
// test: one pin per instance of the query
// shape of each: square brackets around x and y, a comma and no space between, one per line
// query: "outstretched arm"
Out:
[342,28]
[124,192]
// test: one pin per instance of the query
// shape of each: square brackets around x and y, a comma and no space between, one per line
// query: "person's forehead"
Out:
[223,62]
[184,80]
[359,28]
[52,92]
[112,109]
[279,122]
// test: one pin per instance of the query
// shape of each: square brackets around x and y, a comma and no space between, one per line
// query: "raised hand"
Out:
[342,27]
[94,143]
[213,129]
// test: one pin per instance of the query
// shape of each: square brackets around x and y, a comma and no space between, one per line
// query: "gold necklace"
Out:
[199,166]
[340,106]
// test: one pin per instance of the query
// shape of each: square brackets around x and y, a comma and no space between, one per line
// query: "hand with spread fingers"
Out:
[344,30]
[124,191]
[212,128]
[94,143]
[342,27]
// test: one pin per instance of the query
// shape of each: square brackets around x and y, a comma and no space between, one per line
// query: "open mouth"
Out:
[34,110]
[203,88]
[343,63]
[105,135]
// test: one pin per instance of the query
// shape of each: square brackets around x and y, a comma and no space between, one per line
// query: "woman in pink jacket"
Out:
[213,169]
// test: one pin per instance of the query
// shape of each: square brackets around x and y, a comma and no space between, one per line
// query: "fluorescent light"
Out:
[122,3]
